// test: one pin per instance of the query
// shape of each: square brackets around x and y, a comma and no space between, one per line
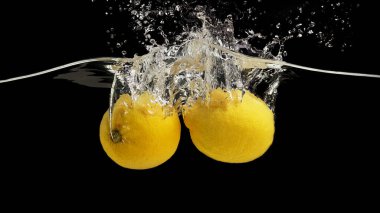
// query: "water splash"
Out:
[136,26]
[190,49]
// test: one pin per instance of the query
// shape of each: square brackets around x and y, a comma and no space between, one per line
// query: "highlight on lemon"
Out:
[143,134]
[230,127]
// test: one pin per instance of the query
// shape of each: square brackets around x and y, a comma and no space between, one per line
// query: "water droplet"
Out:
[312,24]
[299,35]
[118,45]
[310,32]
[124,52]
[152,41]
[278,25]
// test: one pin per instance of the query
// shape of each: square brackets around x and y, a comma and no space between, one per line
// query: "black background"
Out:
[326,125]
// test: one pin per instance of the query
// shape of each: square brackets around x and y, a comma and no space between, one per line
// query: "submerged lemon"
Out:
[230,129]
[143,135]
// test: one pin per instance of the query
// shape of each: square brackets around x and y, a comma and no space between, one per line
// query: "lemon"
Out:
[144,136]
[228,128]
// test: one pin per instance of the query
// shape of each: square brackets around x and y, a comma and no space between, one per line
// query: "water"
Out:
[325,128]
[178,74]
[185,50]
[203,51]
[193,48]
[202,60]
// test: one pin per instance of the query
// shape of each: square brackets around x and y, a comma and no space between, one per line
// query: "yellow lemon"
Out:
[144,136]
[230,129]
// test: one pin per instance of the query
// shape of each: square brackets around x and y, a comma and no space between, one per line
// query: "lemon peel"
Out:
[229,128]
[144,135]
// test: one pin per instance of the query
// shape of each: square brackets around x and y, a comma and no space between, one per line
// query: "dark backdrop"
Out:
[326,125]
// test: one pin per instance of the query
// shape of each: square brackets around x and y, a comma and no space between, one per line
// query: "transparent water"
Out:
[195,48]
[326,125]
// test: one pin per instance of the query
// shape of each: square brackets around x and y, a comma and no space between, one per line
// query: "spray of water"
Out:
[192,49]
